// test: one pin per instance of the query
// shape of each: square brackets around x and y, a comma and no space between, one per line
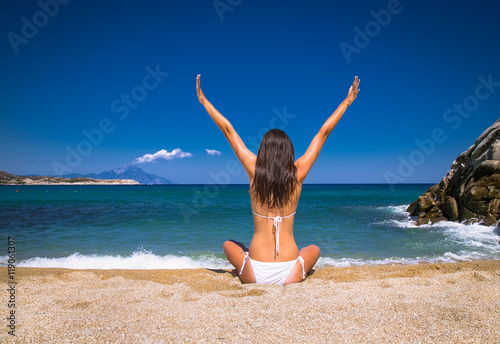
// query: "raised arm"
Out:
[245,156]
[306,162]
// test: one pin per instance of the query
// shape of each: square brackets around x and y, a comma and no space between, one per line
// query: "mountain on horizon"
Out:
[127,172]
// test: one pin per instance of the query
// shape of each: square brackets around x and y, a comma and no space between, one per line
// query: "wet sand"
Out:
[425,303]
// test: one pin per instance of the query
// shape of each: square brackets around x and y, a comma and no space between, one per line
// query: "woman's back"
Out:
[274,196]
[263,245]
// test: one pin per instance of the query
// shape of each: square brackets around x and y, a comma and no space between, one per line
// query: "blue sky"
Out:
[114,81]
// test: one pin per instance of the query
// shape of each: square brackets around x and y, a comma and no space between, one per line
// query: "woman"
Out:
[275,185]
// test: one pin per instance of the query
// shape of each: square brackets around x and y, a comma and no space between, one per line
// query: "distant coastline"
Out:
[12,179]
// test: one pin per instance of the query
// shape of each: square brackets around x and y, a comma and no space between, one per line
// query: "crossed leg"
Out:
[310,254]
[235,254]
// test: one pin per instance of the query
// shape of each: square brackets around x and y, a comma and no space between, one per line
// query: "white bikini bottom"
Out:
[272,272]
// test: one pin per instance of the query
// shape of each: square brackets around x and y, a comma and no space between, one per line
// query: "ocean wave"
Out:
[448,257]
[473,235]
[396,209]
[147,261]
[403,219]
[470,236]
[138,260]
[464,242]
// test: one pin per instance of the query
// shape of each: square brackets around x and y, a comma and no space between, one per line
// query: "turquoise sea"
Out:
[184,226]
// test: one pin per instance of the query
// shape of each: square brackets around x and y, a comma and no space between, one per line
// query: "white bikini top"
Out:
[276,223]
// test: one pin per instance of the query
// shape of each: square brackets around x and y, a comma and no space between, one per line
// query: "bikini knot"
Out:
[276,223]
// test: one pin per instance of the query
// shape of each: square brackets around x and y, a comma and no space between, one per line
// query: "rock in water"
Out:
[470,191]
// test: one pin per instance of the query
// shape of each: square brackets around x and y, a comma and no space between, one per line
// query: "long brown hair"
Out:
[275,172]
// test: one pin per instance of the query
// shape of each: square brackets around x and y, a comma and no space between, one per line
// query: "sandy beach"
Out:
[425,303]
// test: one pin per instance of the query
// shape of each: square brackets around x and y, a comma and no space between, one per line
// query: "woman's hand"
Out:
[201,96]
[353,92]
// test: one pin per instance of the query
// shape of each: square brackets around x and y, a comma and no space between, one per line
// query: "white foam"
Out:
[397,209]
[480,242]
[403,219]
[146,260]
[137,260]
[472,235]
[475,235]
[448,257]
[348,262]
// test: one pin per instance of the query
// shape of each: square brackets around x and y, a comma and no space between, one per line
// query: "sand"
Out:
[425,303]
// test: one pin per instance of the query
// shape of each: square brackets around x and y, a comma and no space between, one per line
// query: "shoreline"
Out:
[427,302]
[355,273]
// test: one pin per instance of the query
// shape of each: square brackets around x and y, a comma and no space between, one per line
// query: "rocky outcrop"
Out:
[470,191]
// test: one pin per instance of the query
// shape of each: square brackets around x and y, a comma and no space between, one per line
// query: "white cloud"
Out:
[213,152]
[162,155]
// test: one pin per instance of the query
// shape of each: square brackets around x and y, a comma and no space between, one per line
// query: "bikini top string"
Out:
[276,223]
